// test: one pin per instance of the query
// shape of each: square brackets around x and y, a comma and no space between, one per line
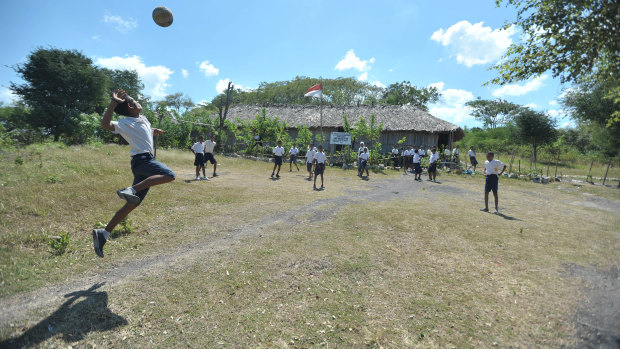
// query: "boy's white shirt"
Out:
[395,151]
[407,153]
[416,158]
[361,149]
[433,157]
[310,155]
[137,132]
[320,157]
[209,146]
[421,152]
[447,152]
[455,151]
[493,167]
[278,151]
[471,153]
[198,147]
[364,156]
[293,151]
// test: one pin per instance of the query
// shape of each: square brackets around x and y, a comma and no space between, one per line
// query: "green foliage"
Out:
[59,244]
[269,130]
[402,93]
[535,128]
[19,161]
[53,179]
[304,138]
[492,113]
[574,39]
[402,141]
[124,228]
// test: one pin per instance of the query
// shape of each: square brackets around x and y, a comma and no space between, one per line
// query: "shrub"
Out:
[59,244]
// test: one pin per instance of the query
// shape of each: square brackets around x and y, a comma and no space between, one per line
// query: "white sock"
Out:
[133,191]
[106,234]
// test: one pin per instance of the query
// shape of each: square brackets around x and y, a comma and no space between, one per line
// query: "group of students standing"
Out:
[315,161]
[203,152]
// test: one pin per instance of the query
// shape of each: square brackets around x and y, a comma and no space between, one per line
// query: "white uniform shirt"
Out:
[447,152]
[364,156]
[293,151]
[278,151]
[310,155]
[416,158]
[360,150]
[407,153]
[433,157]
[198,147]
[320,157]
[209,146]
[455,151]
[421,152]
[471,153]
[395,151]
[137,132]
[493,167]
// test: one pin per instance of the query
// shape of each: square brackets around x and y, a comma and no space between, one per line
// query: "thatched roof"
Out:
[393,117]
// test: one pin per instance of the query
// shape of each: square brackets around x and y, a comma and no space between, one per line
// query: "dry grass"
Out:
[420,270]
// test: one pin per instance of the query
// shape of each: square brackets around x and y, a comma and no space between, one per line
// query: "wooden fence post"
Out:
[607,171]
[589,176]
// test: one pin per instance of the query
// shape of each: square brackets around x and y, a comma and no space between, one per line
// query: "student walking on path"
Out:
[293,157]
[364,157]
[319,162]
[278,153]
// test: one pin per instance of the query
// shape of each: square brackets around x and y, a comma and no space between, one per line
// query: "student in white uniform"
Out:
[395,153]
[360,150]
[278,153]
[364,157]
[416,165]
[406,159]
[421,151]
[209,147]
[293,157]
[147,172]
[492,170]
[319,162]
[432,165]
[199,160]
[310,159]
[455,155]
[472,157]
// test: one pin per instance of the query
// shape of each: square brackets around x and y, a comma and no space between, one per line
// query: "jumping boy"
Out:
[364,163]
[319,161]
[432,165]
[278,152]
[209,147]
[492,170]
[147,172]
[199,160]
[293,157]
[310,159]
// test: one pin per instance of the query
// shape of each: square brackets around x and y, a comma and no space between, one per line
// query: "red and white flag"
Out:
[315,91]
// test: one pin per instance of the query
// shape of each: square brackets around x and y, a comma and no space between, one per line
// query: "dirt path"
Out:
[21,307]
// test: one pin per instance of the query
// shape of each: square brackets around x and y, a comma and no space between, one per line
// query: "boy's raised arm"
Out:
[115,100]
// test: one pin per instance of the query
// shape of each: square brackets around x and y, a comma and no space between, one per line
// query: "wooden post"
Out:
[556,163]
[549,164]
[607,171]
[589,176]
[519,166]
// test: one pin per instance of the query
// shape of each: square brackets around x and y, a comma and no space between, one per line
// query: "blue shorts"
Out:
[293,159]
[309,166]
[209,157]
[432,168]
[491,183]
[417,167]
[278,160]
[319,169]
[144,166]
[473,161]
[199,160]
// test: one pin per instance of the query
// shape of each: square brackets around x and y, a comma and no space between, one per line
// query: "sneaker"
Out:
[197,178]
[496,211]
[129,195]
[484,209]
[205,178]
[214,174]
[277,176]
[272,175]
[98,241]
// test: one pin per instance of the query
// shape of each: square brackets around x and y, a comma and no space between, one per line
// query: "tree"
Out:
[575,39]
[179,100]
[127,80]
[535,128]
[59,86]
[402,93]
[492,113]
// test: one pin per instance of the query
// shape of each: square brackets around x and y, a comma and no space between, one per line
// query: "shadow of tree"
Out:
[83,312]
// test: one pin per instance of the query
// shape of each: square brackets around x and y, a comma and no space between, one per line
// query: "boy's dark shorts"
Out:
[417,167]
[293,159]
[473,161]
[320,168]
[278,160]
[309,166]
[491,183]
[432,168]
[199,160]
[209,157]
[144,166]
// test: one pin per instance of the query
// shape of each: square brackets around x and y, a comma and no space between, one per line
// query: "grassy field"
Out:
[246,261]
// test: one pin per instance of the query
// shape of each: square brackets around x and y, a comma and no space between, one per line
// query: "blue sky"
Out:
[447,44]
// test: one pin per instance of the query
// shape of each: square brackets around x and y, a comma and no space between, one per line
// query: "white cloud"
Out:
[351,61]
[363,77]
[378,84]
[208,68]
[7,96]
[154,77]
[203,102]
[531,105]
[96,37]
[519,90]
[221,86]
[451,105]
[185,73]
[553,103]
[474,44]
[121,24]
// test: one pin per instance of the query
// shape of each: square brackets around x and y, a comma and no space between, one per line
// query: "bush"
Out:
[59,244]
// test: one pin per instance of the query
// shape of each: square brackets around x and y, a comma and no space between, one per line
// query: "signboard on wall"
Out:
[340,138]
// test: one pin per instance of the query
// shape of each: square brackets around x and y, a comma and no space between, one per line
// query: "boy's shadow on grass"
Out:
[275,178]
[508,218]
[73,320]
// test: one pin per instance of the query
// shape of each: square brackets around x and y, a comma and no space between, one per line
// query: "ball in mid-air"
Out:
[162,16]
